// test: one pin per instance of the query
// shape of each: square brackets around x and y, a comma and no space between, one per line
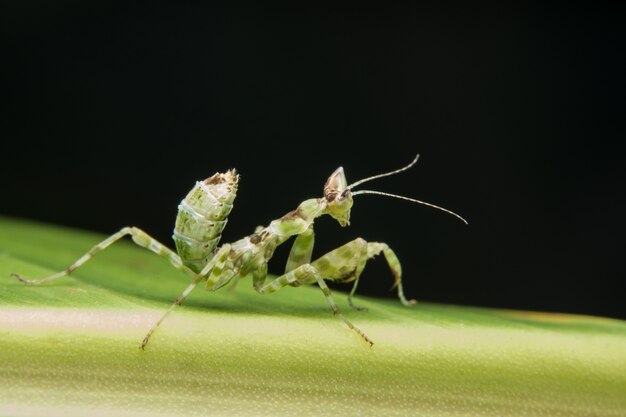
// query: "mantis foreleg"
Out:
[140,237]
[342,264]
[301,250]
[368,252]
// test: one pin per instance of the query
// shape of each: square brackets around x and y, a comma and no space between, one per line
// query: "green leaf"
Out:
[71,347]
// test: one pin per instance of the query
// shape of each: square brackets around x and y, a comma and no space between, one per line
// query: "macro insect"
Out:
[202,216]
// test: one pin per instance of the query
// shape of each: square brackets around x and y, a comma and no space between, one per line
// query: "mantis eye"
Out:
[336,185]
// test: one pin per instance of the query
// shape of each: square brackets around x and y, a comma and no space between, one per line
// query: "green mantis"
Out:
[203,213]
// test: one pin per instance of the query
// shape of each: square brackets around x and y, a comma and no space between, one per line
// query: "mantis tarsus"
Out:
[202,215]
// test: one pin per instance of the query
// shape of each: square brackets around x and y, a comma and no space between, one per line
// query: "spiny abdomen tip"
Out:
[229,177]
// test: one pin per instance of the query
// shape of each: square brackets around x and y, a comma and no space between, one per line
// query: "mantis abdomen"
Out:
[202,215]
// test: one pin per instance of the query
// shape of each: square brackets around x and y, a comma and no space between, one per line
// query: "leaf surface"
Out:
[71,347]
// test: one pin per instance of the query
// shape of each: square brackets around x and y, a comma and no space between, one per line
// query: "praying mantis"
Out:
[203,214]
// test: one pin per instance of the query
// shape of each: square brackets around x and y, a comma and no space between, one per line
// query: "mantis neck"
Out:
[299,220]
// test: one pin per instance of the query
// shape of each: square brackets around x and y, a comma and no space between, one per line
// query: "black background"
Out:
[111,112]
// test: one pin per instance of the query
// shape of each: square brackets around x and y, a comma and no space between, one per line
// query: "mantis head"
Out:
[338,197]
[338,194]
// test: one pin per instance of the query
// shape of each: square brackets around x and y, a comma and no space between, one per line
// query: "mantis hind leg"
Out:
[140,237]
[216,275]
[369,251]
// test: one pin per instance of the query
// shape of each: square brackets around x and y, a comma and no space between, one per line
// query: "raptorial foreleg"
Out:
[140,237]
[301,250]
[370,251]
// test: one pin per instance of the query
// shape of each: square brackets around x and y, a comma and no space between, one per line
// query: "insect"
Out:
[203,213]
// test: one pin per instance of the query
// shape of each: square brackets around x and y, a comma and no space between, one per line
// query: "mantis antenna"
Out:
[410,199]
[386,174]
[397,171]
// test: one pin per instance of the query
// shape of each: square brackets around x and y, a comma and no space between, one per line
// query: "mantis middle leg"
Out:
[342,264]
[307,273]
[339,264]
[303,248]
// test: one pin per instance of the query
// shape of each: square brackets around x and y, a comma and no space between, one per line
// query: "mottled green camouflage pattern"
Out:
[202,215]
